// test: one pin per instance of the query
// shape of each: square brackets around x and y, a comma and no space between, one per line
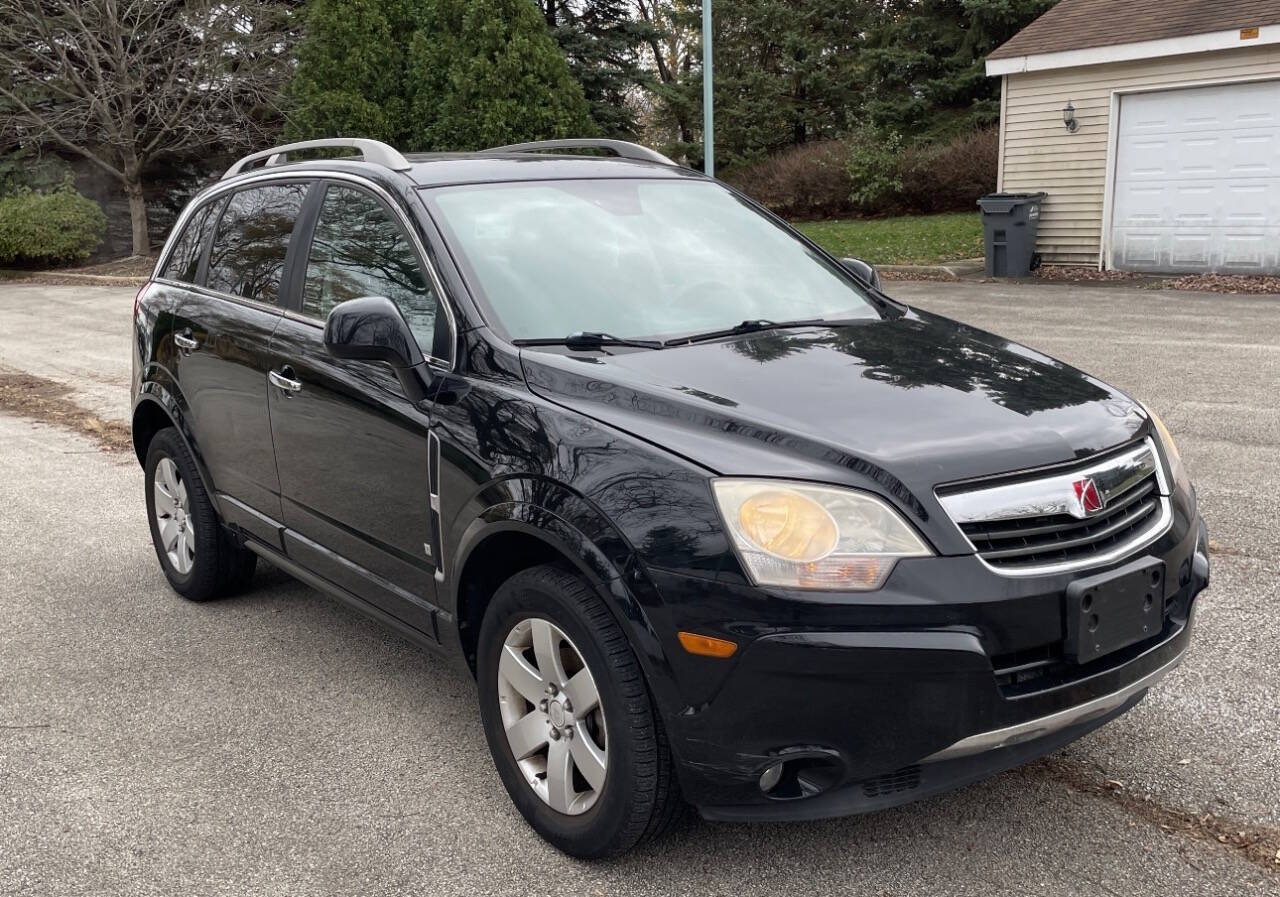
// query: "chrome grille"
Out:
[1044,540]
[1038,524]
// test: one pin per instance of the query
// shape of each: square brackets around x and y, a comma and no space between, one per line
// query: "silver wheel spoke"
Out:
[553,721]
[560,793]
[168,534]
[588,757]
[581,691]
[517,672]
[546,649]
[165,505]
[529,734]
[169,475]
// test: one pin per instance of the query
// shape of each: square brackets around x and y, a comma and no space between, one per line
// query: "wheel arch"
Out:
[157,408]
[514,536]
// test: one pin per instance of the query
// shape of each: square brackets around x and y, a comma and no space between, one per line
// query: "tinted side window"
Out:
[185,259]
[247,256]
[359,250]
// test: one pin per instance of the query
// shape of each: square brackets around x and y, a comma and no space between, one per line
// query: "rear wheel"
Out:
[569,719]
[198,556]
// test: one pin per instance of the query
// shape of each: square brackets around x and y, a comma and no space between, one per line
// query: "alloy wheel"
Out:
[552,716]
[173,520]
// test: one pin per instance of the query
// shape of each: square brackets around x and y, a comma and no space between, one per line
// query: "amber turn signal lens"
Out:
[706,646]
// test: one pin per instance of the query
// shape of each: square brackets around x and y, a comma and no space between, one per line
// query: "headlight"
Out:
[1176,468]
[814,537]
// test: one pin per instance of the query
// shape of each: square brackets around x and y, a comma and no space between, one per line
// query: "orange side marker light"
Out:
[706,646]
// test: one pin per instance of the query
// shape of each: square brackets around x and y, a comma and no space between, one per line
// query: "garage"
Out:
[1197,180]
[1153,129]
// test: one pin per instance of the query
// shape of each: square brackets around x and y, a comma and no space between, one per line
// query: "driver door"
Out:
[351,448]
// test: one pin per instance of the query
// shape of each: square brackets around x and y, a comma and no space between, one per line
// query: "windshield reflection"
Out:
[640,258]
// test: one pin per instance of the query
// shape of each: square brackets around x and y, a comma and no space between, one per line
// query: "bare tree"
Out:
[125,82]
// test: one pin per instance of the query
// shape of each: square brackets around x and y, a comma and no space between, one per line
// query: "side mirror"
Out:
[864,271]
[371,328]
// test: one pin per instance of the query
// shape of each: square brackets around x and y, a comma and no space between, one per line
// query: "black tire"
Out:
[640,798]
[220,567]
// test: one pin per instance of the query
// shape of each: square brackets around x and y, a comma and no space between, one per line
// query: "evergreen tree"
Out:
[352,75]
[602,40]
[925,62]
[785,73]
[487,72]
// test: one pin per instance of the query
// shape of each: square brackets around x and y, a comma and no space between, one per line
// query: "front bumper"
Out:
[880,715]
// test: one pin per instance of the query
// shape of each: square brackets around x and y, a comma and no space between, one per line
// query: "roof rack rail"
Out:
[620,147]
[374,151]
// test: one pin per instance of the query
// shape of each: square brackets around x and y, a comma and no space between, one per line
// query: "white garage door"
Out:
[1197,184]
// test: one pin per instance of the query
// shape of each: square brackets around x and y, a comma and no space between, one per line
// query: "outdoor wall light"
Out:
[1069,118]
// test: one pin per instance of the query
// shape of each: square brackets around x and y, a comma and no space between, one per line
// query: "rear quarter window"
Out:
[184,262]
[249,248]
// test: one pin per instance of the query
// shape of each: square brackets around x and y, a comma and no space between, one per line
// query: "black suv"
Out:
[709,517]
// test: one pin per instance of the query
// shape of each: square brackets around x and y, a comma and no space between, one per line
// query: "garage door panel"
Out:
[1164,250]
[1248,154]
[1192,250]
[1198,203]
[1140,249]
[1219,108]
[1197,180]
[1245,251]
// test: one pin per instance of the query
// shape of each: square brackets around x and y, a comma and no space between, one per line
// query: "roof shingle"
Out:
[1079,24]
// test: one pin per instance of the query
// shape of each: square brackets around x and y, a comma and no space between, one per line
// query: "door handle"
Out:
[186,341]
[282,379]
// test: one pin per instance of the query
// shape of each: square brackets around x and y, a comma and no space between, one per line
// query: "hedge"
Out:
[874,174]
[49,228]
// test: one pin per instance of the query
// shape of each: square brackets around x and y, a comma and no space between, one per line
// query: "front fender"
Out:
[580,533]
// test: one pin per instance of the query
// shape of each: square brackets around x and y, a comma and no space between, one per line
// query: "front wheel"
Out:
[569,719]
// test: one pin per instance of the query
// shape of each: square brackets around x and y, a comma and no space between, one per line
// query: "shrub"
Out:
[938,177]
[874,173]
[806,181]
[60,226]
[949,177]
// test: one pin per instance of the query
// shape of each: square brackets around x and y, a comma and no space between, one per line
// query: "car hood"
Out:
[910,400]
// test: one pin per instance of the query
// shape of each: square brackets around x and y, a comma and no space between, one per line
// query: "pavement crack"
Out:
[1255,843]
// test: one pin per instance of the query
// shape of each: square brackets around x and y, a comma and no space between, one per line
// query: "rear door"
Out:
[223,335]
[351,449]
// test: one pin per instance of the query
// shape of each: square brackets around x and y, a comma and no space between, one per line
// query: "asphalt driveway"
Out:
[281,744]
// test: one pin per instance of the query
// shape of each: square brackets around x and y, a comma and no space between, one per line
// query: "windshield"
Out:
[634,258]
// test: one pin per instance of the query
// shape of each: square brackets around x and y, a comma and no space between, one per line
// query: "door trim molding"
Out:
[316,581]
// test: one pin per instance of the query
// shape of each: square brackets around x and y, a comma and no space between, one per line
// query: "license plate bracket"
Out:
[1113,610]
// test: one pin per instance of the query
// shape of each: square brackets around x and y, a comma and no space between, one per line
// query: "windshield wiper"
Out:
[745,327]
[590,340]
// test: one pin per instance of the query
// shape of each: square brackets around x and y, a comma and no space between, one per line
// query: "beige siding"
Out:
[1037,153]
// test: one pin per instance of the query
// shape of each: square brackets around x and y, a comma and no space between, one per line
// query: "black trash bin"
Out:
[1010,222]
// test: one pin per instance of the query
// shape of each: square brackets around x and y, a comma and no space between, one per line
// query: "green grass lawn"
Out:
[910,240]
